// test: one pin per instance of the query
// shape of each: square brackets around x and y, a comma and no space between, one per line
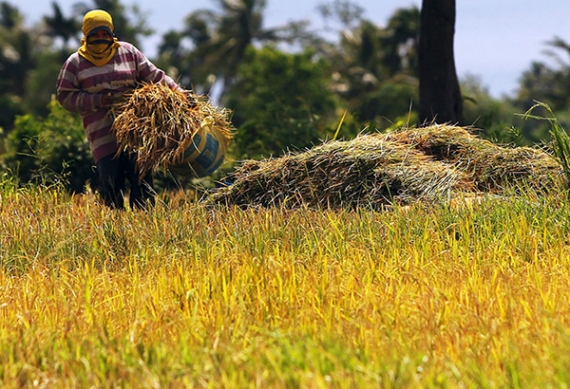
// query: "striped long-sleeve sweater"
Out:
[82,85]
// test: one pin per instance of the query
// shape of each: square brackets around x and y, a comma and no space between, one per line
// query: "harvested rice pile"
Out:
[159,124]
[489,167]
[427,164]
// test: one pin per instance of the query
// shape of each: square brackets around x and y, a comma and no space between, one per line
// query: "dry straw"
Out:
[159,123]
[377,170]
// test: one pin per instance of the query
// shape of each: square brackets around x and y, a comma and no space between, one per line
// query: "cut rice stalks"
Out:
[158,123]
[378,170]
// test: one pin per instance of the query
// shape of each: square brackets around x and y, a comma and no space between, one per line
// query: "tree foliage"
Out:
[375,67]
[218,40]
[60,26]
[491,118]
[549,84]
[50,150]
[17,47]
[280,101]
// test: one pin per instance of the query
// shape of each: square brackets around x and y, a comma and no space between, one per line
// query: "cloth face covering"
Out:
[96,50]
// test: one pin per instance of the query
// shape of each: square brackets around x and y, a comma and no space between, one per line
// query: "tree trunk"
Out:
[440,95]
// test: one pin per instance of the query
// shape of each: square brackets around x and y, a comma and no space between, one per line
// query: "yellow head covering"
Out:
[97,53]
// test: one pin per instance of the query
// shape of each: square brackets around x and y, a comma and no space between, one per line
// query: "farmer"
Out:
[91,81]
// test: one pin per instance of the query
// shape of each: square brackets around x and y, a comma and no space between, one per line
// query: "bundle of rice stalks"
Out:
[368,171]
[159,124]
[428,164]
[489,166]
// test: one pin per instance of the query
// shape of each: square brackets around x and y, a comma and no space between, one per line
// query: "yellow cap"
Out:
[97,19]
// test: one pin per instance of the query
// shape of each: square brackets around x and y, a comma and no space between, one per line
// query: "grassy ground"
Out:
[472,295]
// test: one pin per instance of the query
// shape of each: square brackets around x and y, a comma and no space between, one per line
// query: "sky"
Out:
[495,40]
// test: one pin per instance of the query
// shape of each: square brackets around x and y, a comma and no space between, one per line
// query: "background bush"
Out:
[49,151]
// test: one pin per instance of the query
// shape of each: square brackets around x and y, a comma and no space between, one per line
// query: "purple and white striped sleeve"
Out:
[70,95]
[148,72]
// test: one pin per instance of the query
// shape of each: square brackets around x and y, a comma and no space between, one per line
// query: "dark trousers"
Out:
[113,173]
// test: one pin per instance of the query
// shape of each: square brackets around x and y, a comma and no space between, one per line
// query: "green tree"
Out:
[50,150]
[491,118]
[548,84]
[281,101]
[59,26]
[218,42]
[399,42]
[40,82]
[375,67]
[17,45]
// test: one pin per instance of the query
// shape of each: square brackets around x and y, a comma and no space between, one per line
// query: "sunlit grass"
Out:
[473,294]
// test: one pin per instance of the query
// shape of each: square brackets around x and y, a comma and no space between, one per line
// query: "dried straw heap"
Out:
[159,123]
[377,170]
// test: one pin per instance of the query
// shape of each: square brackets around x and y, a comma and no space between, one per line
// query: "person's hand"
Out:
[121,98]
[107,100]
[114,99]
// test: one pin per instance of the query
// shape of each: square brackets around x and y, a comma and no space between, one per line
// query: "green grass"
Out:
[471,294]
[561,139]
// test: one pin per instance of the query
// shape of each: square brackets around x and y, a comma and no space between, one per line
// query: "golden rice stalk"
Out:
[159,123]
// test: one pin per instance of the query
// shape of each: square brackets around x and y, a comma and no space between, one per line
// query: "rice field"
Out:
[469,294]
